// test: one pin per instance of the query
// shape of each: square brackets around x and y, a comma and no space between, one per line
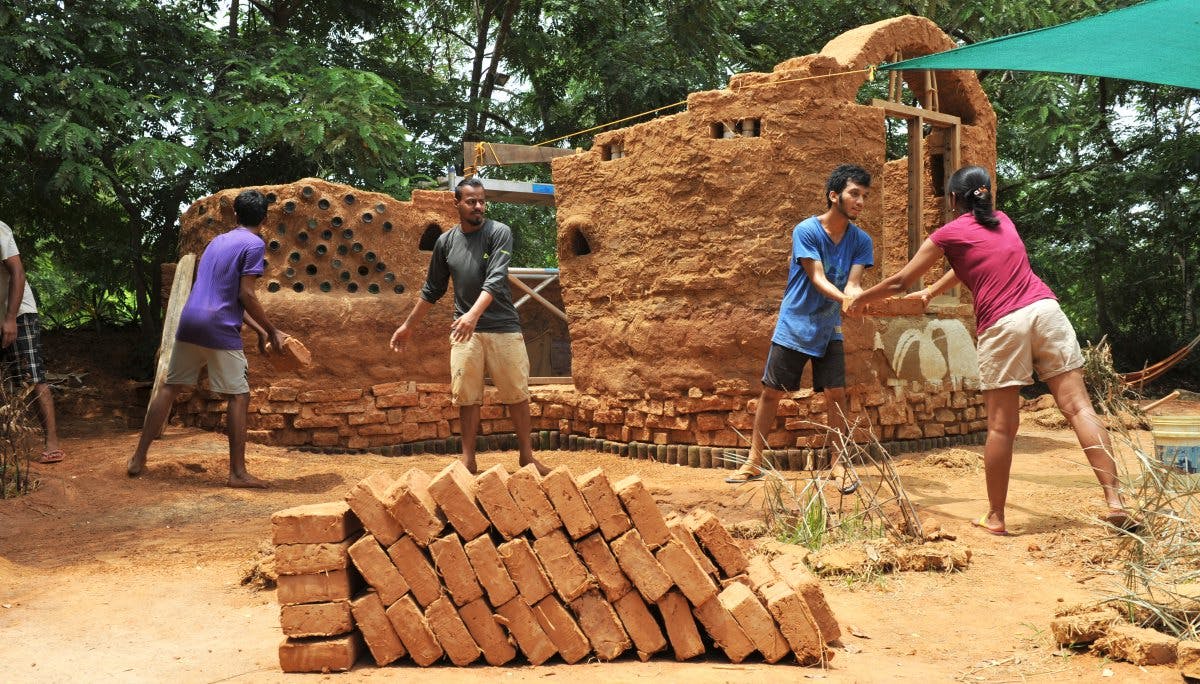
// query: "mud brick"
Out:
[414,567]
[697,586]
[321,523]
[716,540]
[451,633]
[338,585]
[799,577]
[725,632]
[316,619]
[366,500]
[601,625]
[333,654]
[681,626]
[795,622]
[453,490]
[526,489]
[306,559]
[605,505]
[558,624]
[684,536]
[640,624]
[487,632]
[1137,645]
[491,490]
[490,571]
[644,513]
[755,621]
[599,559]
[457,574]
[525,570]
[568,502]
[759,572]
[524,627]
[413,630]
[377,569]
[1187,657]
[566,572]
[377,631]
[640,566]
[413,507]
[1082,628]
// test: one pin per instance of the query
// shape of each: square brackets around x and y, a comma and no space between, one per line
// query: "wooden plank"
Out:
[904,111]
[499,154]
[551,380]
[181,287]
[537,297]
[916,196]
[951,163]
[537,290]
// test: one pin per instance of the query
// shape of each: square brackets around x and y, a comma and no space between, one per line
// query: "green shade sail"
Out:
[1156,41]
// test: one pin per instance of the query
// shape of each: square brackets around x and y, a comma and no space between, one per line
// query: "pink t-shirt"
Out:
[993,264]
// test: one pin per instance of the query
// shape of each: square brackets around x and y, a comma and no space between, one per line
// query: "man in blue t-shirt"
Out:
[210,334]
[829,255]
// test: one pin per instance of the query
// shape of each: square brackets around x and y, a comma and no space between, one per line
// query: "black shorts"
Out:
[23,358]
[785,366]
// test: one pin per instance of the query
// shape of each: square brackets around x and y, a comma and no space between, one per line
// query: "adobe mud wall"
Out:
[673,236]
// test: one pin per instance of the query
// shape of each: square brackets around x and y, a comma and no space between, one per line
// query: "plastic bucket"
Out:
[1177,441]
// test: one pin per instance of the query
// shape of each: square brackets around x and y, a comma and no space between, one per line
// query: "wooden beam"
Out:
[537,297]
[536,290]
[951,163]
[181,287]
[916,173]
[904,111]
[499,154]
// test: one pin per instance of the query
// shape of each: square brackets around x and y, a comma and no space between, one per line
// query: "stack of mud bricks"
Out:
[408,417]
[523,568]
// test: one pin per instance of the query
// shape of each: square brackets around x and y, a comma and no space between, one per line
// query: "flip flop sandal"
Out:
[52,456]
[1121,520]
[743,478]
[982,522]
[851,487]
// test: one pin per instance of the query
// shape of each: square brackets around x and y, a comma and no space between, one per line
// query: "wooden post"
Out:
[916,168]
[181,287]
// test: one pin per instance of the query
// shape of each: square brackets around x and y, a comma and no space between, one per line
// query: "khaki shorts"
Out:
[1037,337]
[501,355]
[227,368]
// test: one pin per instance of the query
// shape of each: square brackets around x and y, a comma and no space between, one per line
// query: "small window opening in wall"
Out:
[611,151]
[742,128]
[937,169]
[579,243]
[429,237]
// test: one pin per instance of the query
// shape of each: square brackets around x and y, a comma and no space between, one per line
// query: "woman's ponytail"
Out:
[971,187]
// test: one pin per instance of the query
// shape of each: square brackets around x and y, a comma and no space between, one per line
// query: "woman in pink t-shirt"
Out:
[1020,330]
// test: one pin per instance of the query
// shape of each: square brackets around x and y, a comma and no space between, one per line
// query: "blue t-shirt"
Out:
[212,316]
[808,320]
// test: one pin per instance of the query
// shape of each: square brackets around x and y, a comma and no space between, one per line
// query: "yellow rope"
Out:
[479,147]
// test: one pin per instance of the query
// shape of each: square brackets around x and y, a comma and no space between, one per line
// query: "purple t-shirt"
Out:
[993,264]
[212,316]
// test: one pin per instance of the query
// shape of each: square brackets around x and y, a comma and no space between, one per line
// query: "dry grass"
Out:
[17,442]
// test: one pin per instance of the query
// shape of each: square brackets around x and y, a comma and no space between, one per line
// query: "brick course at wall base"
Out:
[698,429]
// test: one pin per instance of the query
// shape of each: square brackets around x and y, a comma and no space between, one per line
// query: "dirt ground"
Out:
[115,579]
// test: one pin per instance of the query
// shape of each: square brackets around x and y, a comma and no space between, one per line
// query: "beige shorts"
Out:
[227,368]
[501,355]
[1037,337]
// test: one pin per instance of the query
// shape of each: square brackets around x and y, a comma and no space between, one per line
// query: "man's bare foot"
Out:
[541,468]
[135,466]
[470,465]
[247,481]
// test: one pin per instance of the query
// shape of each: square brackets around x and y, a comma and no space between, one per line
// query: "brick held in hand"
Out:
[320,523]
[489,570]
[641,567]
[525,485]
[453,490]
[643,512]
[487,632]
[330,654]
[558,624]
[366,499]
[382,640]
[451,633]
[568,502]
[414,631]
[604,504]
[413,507]
[715,539]
[295,355]
[681,627]
[378,570]
[640,624]
[457,574]
[491,490]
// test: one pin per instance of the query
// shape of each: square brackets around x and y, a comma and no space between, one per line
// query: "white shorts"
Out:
[1037,337]
[228,372]
[504,358]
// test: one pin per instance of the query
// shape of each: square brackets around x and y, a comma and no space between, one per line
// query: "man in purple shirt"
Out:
[210,334]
